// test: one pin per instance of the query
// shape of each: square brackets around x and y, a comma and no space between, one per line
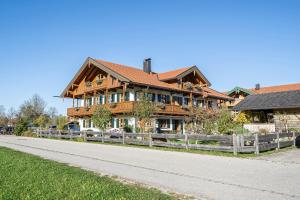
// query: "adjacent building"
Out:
[275,108]
[176,94]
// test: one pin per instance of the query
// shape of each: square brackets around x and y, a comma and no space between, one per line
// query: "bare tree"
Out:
[11,115]
[33,108]
[3,118]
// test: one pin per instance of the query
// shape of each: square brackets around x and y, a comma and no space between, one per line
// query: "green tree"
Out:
[225,122]
[21,126]
[144,110]
[42,121]
[61,121]
[242,118]
[101,117]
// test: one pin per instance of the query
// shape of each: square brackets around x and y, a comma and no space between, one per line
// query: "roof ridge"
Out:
[188,67]
[101,60]
[276,86]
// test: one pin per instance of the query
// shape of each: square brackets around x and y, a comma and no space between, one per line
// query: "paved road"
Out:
[202,176]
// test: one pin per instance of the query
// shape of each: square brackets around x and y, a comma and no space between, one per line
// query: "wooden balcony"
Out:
[127,108]
[115,108]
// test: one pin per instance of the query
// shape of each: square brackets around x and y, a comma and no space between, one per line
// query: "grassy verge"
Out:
[24,176]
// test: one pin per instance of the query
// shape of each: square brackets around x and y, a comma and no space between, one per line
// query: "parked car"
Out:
[72,126]
[298,141]
[52,127]
[6,129]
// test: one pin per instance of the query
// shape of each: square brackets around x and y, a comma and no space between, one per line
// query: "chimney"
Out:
[147,65]
[257,86]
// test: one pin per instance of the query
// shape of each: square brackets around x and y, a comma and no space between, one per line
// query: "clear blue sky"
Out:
[43,43]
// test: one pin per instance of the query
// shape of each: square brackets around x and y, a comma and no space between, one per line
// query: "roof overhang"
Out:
[188,71]
[239,89]
[88,62]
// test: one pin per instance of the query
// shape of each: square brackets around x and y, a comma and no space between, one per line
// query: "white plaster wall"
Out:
[131,95]
[255,128]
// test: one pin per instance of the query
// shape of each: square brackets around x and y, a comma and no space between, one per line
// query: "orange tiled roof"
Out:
[279,88]
[137,75]
[140,77]
[172,74]
[215,93]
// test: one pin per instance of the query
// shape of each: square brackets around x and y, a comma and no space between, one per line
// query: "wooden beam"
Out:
[191,99]
[123,92]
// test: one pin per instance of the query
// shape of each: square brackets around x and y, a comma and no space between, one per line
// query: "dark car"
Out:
[298,141]
[72,126]
[1,129]
[9,129]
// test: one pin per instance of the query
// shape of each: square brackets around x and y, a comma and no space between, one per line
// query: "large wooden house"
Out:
[176,94]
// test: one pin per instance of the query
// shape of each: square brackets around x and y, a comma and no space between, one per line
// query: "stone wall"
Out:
[287,119]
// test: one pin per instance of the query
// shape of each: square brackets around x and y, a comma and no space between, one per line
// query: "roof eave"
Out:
[97,64]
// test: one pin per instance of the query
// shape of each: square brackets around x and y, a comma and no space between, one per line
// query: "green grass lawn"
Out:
[24,176]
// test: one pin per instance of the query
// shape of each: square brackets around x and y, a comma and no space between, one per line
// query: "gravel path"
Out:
[202,176]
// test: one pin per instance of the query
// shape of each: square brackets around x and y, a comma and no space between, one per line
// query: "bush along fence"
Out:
[225,143]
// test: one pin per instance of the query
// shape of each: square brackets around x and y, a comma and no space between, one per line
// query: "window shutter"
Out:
[126,96]
[118,97]
[126,122]
[153,97]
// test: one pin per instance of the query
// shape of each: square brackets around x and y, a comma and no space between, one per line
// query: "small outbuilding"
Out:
[281,109]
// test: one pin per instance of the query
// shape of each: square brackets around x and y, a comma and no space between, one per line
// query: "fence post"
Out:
[256,144]
[102,136]
[84,136]
[186,140]
[278,142]
[123,137]
[150,140]
[294,139]
[234,143]
[242,141]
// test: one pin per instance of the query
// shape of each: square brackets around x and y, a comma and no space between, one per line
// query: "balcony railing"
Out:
[128,107]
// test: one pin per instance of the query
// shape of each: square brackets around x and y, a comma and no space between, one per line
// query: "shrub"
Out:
[21,126]
[296,130]
[128,129]
[28,133]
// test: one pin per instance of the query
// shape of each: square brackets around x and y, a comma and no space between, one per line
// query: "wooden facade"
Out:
[118,87]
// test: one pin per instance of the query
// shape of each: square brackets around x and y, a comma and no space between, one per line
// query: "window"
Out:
[164,123]
[159,98]
[186,101]
[150,96]
[209,104]
[118,97]
[126,122]
[177,100]
[101,99]
[115,98]
[87,123]
[164,98]
[89,102]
